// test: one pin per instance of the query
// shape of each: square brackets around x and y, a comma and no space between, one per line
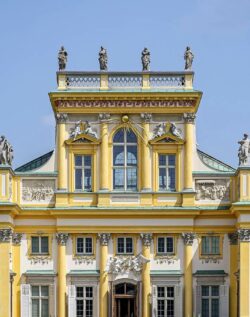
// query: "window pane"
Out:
[119,157]
[171,160]
[205,308]
[45,291]
[171,178]
[88,245]
[131,137]
[161,291]
[132,178]
[119,136]
[89,292]
[89,308]
[44,244]
[205,245]
[79,245]
[162,160]
[87,179]
[161,248]
[79,308]
[132,155]
[215,290]
[35,290]
[118,178]
[35,244]
[215,307]
[87,160]
[170,292]
[78,160]
[129,245]
[120,245]
[78,179]
[162,178]
[160,308]
[170,245]
[35,308]
[45,308]
[215,245]
[170,308]
[79,292]
[205,290]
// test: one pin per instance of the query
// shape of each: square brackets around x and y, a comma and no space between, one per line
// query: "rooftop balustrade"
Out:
[111,81]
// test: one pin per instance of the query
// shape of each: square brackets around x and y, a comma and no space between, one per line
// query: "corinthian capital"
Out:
[5,235]
[16,238]
[233,238]
[244,235]
[146,117]
[62,238]
[146,238]
[189,117]
[104,238]
[188,237]
[61,117]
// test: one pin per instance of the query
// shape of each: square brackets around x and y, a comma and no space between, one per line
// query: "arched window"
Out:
[125,160]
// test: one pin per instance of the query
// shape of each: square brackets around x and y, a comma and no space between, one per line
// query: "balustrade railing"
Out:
[125,80]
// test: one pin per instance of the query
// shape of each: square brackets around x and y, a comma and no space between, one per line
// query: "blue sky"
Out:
[31,33]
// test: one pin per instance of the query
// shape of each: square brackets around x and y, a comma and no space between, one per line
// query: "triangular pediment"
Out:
[167,138]
[83,139]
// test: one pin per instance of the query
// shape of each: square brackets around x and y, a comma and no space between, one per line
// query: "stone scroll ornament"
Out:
[103,59]
[62,59]
[6,151]
[145,58]
[244,150]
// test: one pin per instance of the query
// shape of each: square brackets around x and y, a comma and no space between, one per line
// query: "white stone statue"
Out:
[88,130]
[6,151]
[175,131]
[159,130]
[74,132]
[244,149]
[189,57]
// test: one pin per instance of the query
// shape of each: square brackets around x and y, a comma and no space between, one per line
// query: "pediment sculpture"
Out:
[169,128]
[82,128]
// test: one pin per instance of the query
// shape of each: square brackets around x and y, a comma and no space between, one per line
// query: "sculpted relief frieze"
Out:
[212,189]
[38,190]
[126,264]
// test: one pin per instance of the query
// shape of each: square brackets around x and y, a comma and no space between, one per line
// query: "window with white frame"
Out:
[125,245]
[84,301]
[40,301]
[83,177]
[166,172]
[165,245]
[165,301]
[210,301]
[84,245]
[39,245]
[125,160]
[210,245]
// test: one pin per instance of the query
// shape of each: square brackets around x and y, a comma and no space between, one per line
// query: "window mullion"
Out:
[125,161]
[167,187]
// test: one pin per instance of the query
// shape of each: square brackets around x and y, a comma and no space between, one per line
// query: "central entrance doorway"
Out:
[125,300]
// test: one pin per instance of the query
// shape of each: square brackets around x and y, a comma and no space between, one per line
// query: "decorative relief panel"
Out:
[38,190]
[212,190]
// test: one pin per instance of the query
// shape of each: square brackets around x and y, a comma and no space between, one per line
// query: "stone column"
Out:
[145,153]
[5,238]
[61,268]
[189,119]
[146,288]
[104,173]
[103,291]
[233,240]
[188,239]
[16,245]
[61,151]
[244,238]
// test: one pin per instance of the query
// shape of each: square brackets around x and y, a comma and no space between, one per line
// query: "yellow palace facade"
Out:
[125,217]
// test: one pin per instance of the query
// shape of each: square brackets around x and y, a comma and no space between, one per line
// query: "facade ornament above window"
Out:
[16,238]
[146,238]
[62,59]
[188,57]
[6,151]
[103,59]
[84,128]
[126,264]
[62,238]
[168,127]
[104,116]
[5,235]
[145,58]
[61,117]
[244,235]
[146,117]
[188,237]
[104,238]
[189,117]
[244,149]
[233,238]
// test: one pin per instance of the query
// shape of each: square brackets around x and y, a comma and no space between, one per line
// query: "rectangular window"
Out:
[165,301]
[166,172]
[165,245]
[210,300]
[83,177]
[39,245]
[210,245]
[84,301]
[125,245]
[40,301]
[84,245]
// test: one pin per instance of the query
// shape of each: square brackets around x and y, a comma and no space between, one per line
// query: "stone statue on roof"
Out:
[103,59]
[189,57]
[6,151]
[244,149]
[62,58]
[145,58]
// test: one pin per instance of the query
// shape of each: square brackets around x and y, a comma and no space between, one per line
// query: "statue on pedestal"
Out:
[62,58]
[145,58]
[103,59]
[6,151]
[189,57]
[244,149]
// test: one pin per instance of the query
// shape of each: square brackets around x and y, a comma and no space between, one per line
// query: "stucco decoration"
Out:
[10,188]
[104,238]
[61,117]
[167,259]
[82,128]
[103,59]
[189,117]
[188,57]
[6,151]
[244,235]
[146,117]
[62,238]
[233,238]
[145,58]
[5,235]
[188,237]
[210,259]
[212,190]
[38,190]
[104,117]
[40,259]
[17,238]
[169,127]
[126,264]
[62,59]
[146,238]
[244,150]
